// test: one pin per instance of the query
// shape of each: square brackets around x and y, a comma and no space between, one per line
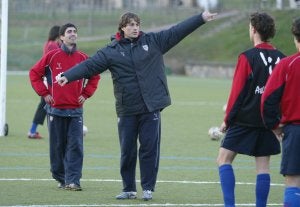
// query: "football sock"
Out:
[33,128]
[292,197]
[262,189]
[227,180]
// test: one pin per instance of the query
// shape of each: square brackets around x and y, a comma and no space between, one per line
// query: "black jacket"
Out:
[137,67]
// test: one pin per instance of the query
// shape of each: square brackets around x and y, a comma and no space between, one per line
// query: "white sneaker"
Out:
[73,187]
[61,185]
[126,195]
[147,195]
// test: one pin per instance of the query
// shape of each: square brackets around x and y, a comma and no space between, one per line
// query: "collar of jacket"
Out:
[67,50]
[118,38]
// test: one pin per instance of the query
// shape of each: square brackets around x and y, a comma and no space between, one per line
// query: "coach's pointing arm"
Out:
[86,69]
[99,62]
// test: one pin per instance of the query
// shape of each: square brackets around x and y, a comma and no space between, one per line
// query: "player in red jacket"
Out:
[64,107]
[281,113]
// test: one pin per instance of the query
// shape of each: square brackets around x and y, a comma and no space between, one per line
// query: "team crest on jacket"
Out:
[145,47]
[58,67]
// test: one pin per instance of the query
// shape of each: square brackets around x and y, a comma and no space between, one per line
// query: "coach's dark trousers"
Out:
[66,148]
[147,128]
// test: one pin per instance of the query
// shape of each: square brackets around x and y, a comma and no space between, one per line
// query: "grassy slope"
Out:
[206,45]
[224,46]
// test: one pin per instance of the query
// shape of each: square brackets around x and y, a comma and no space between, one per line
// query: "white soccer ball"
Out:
[214,133]
[85,130]
[224,108]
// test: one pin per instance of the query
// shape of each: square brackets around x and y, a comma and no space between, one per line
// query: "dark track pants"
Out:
[66,148]
[40,113]
[147,128]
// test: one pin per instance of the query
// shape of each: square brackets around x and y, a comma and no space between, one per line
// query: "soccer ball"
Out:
[224,108]
[85,130]
[215,134]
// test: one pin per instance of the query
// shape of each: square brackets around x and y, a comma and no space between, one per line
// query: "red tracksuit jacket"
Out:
[281,99]
[54,63]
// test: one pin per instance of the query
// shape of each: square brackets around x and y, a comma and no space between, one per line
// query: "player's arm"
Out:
[242,73]
[36,76]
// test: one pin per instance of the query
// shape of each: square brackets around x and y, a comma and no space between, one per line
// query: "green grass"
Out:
[187,153]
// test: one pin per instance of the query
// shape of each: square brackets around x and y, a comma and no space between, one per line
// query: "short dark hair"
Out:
[53,33]
[125,19]
[296,29]
[64,27]
[264,24]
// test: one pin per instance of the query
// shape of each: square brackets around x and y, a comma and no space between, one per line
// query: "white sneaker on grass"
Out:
[61,185]
[147,195]
[73,187]
[126,195]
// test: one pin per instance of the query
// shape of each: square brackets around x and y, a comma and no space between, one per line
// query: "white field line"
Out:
[138,205]
[141,205]
[116,180]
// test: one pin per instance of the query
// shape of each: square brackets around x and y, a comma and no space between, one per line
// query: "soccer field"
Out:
[188,173]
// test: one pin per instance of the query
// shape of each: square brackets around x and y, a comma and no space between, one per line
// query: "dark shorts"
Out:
[290,163]
[251,141]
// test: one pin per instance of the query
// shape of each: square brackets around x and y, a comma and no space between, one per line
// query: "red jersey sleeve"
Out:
[36,74]
[241,75]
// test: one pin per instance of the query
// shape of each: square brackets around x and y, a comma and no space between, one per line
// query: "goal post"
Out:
[3,75]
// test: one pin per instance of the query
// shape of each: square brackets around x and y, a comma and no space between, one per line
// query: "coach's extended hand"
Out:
[62,80]
[207,16]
